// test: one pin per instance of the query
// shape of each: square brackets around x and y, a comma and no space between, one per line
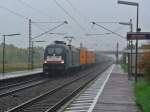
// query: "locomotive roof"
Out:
[58,45]
[63,46]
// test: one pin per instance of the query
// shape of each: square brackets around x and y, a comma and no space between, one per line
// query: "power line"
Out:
[75,9]
[35,9]
[35,23]
[119,28]
[81,15]
[109,30]
[109,22]
[47,22]
[96,34]
[49,30]
[14,13]
[81,27]
[39,27]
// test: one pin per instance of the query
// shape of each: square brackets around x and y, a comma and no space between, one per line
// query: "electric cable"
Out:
[35,9]
[49,30]
[75,9]
[67,13]
[109,30]
[14,13]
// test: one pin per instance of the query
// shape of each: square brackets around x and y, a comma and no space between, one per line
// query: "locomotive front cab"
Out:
[54,59]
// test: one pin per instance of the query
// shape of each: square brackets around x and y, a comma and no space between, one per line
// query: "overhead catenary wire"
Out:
[108,22]
[47,22]
[39,27]
[81,15]
[14,13]
[109,30]
[75,9]
[35,9]
[67,13]
[49,30]
[35,23]
[26,18]
[119,28]
[76,33]
[97,34]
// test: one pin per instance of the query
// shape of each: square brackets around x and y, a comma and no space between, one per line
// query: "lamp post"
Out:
[117,47]
[130,44]
[137,30]
[32,55]
[3,71]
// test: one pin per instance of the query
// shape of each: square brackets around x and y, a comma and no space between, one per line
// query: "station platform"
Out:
[117,95]
[11,75]
[111,92]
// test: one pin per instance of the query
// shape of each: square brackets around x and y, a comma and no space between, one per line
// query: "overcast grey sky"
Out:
[15,14]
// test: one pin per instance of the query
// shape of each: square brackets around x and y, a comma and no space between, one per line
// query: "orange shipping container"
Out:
[83,56]
[90,57]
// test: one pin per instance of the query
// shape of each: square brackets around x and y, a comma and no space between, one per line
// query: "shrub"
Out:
[145,65]
[147,73]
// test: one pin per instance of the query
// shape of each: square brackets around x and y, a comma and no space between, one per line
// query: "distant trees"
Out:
[15,56]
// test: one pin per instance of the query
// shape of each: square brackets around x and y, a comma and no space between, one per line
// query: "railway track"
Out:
[19,80]
[15,98]
[17,84]
[9,89]
[53,99]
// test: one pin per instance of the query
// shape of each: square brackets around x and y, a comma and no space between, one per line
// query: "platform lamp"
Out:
[130,44]
[137,30]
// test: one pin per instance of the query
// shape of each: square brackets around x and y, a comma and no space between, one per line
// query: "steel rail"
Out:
[74,93]
[38,98]
[33,100]
[24,87]
[17,84]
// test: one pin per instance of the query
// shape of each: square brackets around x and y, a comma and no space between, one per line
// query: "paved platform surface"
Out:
[19,73]
[118,95]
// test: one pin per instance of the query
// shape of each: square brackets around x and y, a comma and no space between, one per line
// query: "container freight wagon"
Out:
[62,58]
[91,57]
[83,56]
[75,56]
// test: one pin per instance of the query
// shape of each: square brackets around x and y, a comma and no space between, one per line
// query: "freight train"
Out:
[61,58]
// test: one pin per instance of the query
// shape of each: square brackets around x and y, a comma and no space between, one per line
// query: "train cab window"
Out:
[50,50]
[58,51]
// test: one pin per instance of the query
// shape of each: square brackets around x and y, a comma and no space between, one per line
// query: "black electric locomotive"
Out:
[60,58]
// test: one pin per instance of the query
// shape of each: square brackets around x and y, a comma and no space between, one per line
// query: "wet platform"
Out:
[10,75]
[117,95]
[111,92]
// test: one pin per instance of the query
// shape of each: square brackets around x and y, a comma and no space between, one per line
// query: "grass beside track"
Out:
[18,67]
[142,94]
[125,67]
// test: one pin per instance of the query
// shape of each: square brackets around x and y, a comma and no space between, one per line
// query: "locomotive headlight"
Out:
[62,61]
[45,61]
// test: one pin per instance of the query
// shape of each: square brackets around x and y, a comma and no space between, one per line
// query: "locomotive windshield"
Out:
[54,50]
[58,51]
[50,50]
